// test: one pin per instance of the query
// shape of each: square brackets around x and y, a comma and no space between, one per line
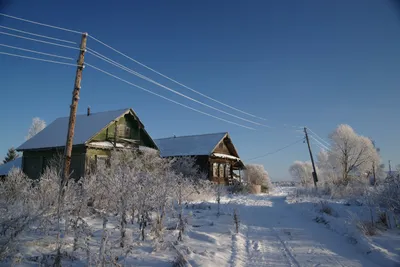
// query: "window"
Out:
[123,131]
[221,170]
[102,161]
[228,170]
[215,169]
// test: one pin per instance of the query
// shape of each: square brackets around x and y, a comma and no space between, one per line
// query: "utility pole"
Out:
[390,167]
[73,109]
[314,174]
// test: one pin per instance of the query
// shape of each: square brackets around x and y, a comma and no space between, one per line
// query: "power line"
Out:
[38,35]
[41,24]
[110,61]
[166,98]
[318,137]
[36,52]
[316,140]
[40,41]
[39,59]
[166,77]
[319,146]
[276,151]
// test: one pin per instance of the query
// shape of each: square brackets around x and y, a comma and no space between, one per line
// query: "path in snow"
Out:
[277,234]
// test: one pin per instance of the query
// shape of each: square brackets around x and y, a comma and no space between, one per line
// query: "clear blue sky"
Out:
[314,63]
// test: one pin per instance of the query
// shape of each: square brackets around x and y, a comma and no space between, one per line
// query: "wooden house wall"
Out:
[135,133]
[222,148]
[35,161]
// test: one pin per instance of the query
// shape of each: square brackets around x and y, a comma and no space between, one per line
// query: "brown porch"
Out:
[225,170]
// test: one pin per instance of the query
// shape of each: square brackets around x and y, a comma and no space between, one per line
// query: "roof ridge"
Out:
[182,136]
[93,113]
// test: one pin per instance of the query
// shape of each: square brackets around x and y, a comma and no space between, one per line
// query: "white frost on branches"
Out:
[302,172]
[351,154]
[256,174]
[36,126]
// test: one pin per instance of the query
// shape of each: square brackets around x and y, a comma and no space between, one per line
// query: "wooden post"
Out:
[315,177]
[73,109]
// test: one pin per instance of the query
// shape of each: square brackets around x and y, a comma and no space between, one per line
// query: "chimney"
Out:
[88,110]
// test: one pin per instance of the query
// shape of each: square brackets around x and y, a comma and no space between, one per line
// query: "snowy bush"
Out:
[23,203]
[256,174]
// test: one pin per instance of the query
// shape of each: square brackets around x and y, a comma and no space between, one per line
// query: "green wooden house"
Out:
[96,134]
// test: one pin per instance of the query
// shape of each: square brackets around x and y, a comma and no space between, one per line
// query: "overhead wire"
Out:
[40,41]
[38,35]
[112,62]
[319,137]
[166,98]
[36,52]
[278,150]
[39,59]
[316,140]
[41,24]
[318,145]
[173,80]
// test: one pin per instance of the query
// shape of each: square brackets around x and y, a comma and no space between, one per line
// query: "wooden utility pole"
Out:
[314,174]
[390,167]
[73,109]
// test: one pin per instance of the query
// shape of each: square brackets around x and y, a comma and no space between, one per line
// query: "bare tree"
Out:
[36,126]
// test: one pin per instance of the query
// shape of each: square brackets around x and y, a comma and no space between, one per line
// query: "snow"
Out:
[219,155]
[275,230]
[54,135]
[6,168]
[104,144]
[189,145]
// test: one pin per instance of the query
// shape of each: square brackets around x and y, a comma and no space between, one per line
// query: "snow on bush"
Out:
[132,187]
[256,174]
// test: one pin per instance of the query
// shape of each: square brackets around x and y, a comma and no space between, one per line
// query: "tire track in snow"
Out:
[286,251]
[265,248]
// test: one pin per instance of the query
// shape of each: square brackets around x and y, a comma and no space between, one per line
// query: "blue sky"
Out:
[314,63]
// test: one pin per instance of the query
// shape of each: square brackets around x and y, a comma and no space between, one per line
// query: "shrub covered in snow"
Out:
[256,174]
[132,187]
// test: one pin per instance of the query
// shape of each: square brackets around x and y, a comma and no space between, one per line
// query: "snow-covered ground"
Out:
[274,231]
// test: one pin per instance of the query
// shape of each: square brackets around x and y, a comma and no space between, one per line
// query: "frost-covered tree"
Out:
[302,172]
[36,126]
[256,174]
[188,181]
[351,154]
[12,154]
[326,170]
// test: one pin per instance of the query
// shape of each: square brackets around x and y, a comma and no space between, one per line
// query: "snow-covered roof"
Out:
[6,168]
[86,127]
[192,145]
